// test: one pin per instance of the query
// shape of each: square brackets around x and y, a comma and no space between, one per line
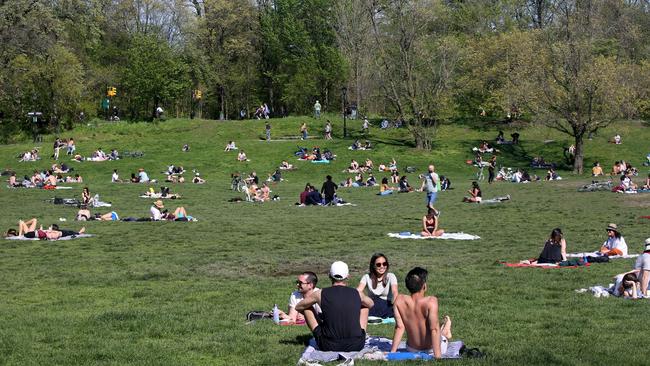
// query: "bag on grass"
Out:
[254,315]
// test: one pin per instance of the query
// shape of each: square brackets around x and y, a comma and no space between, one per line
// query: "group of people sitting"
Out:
[31,155]
[502,141]
[315,154]
[311,196]
[338,315]
[45,179]
[356,145]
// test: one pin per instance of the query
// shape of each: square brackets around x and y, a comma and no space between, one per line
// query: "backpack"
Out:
[254,315]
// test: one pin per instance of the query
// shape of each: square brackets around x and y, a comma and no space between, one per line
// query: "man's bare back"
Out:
[419,316]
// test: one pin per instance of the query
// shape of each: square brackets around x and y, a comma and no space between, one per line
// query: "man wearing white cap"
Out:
[642,268]
[339,328]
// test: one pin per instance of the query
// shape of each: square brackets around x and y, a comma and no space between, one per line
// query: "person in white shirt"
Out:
[156,210]
[306,284]
[381,286]
[615,243]
[144,178]
[115,178]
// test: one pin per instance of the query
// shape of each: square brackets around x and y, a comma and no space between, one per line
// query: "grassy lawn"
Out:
[175,293]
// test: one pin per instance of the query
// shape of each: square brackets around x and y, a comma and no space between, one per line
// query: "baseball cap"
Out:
[647,244]
[339,270]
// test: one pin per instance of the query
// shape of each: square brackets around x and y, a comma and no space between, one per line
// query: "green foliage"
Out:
[153,74]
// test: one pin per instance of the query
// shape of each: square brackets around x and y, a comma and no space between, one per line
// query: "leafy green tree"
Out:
[153,75]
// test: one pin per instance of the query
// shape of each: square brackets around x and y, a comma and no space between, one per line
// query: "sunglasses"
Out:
[381,264]
[302,283]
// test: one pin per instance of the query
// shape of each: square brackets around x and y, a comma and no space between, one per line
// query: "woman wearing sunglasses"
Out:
[381,286]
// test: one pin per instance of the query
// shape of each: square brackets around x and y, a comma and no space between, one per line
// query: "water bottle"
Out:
[584,259]
[276,314]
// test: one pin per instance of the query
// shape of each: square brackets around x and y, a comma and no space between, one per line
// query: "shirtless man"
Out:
[418,315]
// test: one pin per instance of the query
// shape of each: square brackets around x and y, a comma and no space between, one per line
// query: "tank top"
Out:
[552,253]
[430,223]
[341,306]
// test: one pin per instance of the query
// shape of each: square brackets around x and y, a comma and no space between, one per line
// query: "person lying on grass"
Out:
[65,233]
[615,243]
[84,214]
[430,224]
[554,250]
[475,194]
[285,165]
[306,285]
[158,213]
[417,314]
[381,286]
[28,230]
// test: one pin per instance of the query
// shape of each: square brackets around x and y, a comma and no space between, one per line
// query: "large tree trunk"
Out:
[578,164]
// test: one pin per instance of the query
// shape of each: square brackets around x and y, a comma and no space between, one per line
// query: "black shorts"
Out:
[340,344]
[30,234]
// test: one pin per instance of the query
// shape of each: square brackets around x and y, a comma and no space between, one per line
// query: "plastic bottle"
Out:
[584,259]
[276,314]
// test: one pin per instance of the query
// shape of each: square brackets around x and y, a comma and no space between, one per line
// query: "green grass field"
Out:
[175,293]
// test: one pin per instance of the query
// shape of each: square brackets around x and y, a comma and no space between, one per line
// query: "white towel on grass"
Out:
[450,236]
[313,357]
[598,254]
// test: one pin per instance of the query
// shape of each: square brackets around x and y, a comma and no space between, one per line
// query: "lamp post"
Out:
[344,94]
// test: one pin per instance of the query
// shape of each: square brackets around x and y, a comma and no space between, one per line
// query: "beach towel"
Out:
[598,254]
[62,238]
[320,161]
[373,350]
[62,187]
[449,236]
[540,265]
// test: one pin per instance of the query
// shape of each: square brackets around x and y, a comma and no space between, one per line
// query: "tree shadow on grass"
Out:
[302,339]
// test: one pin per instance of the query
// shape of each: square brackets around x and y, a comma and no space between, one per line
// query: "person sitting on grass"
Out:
[197,179]
[381,286]
[475,194]
[430,224]
[371,181]
[554,250]
[339,326]
[368,164]
[404,186]
[615,243]
[12,181]
[303,195]
[143,177]
[417,314]
[242,156]
[313,197]
[285,165]
[646,185]
[230,146]
[354,166]
[276,176]
[306,284]
[384,188]
[597,170]
[263,194]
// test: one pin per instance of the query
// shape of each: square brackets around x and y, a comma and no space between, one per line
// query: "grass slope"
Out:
[176,293]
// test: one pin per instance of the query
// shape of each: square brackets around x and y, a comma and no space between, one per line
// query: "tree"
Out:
[571,87]
[415,64]
[153,74]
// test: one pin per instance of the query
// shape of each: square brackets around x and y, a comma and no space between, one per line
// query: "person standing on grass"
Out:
[339,327]
[431,184]
[317,110]
[328,190]
[328,130]
[268,131]
[417,314]
[303,131]
[492,164]
[306,284]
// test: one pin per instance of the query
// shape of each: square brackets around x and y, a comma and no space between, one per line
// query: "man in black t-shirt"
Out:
[339,328]
[328,190]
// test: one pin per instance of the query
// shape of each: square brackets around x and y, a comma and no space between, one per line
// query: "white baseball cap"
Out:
[339,270]
[647,244]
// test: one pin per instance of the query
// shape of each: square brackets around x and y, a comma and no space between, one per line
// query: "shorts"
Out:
[431,198]
[114,216]
[352,344]
[444,343]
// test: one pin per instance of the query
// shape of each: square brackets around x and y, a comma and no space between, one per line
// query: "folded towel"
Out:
[451,236]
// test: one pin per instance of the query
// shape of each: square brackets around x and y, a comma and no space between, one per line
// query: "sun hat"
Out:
[339,270]
[612,227]
[159,204]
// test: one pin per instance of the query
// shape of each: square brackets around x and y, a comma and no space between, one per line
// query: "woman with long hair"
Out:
[381,286]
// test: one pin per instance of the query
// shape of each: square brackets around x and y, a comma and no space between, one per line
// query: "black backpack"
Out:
[254,315]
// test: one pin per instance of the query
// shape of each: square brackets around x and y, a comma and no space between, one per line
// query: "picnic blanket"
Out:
[374,349]
[320,161]
[62,238]
[540,265]
[450,236]
[598,254]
